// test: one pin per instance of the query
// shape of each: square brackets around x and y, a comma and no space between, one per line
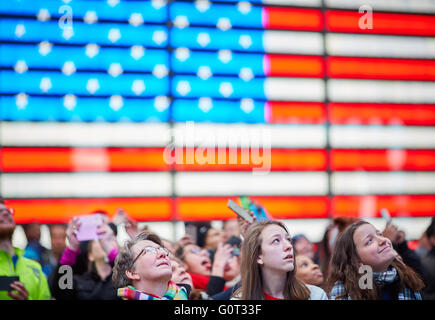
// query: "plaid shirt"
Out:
[381,279]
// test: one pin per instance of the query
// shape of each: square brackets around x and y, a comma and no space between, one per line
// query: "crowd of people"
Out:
[242,261]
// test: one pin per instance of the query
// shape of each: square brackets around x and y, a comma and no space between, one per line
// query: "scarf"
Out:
[390,276]
[174,292]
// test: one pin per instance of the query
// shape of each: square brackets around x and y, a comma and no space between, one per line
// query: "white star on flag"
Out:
[226,89]
[43,15]
[69,101]
[204,72]
[181,22]
[90,17]
[44,48]
[20,30]
[116,102]
[161,103]
[136,19]
[137,52]
[202,5]
[20,66]
[45,84]
[92,50]
[182,54]
[115,69]
[114,35]
[203,39]
[92,86]
[205,104]
[159,36]
[247,105]
[246,74]
[68,68]
[160,71]
[244,7]
[21,100]
[183,88]
[224,24]
[138,86]
[68,33]
[245,41]
[158,4]
[225,56]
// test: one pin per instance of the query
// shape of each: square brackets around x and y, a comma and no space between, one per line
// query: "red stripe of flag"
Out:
[380,68]
[383,23]
[382,160]
[381,113]
[292,19]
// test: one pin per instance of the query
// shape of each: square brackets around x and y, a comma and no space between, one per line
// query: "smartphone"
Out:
[258,211]
[242,213]
[236,243]
[5,282]
[88,227]
[386,215]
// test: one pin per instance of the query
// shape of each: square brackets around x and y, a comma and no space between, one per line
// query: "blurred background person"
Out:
[34,249]
[58,244]
[303,246]
[206,274]
[308,271]
[230,228]
[32,284]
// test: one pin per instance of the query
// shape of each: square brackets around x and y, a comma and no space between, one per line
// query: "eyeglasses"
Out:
[152,250]
[9,211]
[199,251]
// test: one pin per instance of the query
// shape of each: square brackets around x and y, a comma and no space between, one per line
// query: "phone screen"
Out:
[5,282]
[88,227]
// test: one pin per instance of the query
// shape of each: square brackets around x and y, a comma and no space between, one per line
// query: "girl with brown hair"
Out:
[365,266]
[267,266]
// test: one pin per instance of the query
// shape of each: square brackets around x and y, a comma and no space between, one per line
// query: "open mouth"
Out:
[206,264]
[289,257]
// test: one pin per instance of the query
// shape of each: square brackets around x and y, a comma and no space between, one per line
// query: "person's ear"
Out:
[91,257]
[132,275]
[260,260]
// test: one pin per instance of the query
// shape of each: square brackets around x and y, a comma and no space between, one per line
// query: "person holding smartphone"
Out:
[361,247]
[96,282]
[32,283]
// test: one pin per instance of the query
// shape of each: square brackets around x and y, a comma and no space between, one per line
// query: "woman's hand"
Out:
[244,224]
[71,234]
[221,257]
[106,238]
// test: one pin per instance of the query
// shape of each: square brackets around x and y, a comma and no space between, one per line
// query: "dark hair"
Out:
[345,264]
[430,231]
[201,234]
[124,260]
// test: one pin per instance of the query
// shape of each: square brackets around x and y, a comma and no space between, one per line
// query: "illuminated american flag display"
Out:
[90,91]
